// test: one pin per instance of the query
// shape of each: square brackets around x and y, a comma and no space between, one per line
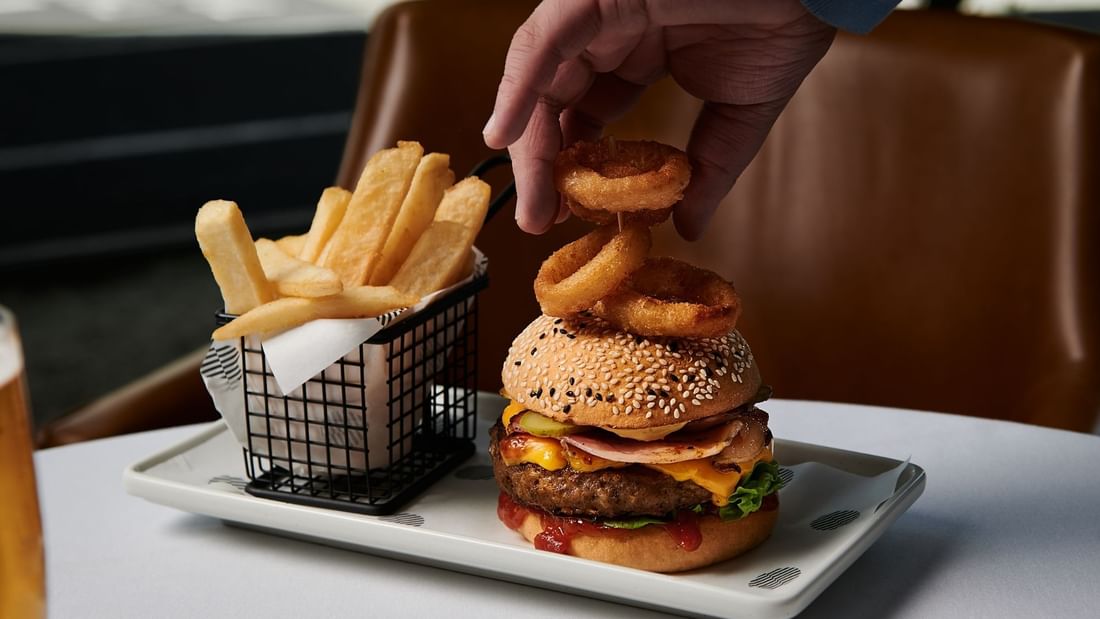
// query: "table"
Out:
[1009,525]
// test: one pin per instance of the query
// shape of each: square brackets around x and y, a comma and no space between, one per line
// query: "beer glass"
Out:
[22,574]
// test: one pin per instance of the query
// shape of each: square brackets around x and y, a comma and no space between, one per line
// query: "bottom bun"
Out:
[652,548]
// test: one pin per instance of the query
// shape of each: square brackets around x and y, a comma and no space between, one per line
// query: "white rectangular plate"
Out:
[454,525]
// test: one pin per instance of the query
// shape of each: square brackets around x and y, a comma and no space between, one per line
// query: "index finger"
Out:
[555,32]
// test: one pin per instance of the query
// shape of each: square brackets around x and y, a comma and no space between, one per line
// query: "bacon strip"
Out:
[693,446]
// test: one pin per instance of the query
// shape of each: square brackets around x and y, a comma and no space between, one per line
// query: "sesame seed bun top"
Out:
[586,372]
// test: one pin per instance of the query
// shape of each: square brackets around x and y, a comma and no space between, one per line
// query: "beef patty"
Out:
[608,493]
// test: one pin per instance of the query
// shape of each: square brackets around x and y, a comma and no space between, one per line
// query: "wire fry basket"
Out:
[314,445]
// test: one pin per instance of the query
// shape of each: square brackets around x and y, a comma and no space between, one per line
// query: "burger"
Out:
[645,452]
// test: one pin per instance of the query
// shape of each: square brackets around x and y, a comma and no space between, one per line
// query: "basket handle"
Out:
[505,194]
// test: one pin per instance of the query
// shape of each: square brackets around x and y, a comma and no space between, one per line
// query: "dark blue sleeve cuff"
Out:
[858,16]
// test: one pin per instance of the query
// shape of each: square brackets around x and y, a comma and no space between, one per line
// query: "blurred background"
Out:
[119,118]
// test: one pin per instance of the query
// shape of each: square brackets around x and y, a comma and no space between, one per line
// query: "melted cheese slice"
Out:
[514,408]
[704,475]
[545,452]
[550,455]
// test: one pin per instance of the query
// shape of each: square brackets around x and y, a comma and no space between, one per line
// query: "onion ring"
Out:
[622,176]
[672,298]
[573,278]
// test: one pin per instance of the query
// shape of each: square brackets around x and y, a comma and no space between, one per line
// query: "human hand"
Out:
[576,65]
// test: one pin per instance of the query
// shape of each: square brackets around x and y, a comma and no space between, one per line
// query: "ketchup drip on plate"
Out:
[685,530]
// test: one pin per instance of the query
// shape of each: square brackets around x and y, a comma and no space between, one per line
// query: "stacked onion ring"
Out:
[639,180]
[578,275]
[607,271]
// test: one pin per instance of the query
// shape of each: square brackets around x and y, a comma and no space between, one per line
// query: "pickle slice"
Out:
[540,425]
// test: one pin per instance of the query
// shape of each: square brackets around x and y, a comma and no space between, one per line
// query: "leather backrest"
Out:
[921,228]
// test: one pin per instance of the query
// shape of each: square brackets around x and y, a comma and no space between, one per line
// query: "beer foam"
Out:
[11,359]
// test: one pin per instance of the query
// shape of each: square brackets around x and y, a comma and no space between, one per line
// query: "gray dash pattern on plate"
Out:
[477,471]
[785,475]
[405,518]
[834,520]
[237,482]
[775,578]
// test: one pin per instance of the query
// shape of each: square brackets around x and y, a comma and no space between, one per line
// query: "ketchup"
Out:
[511,447]
[770,503]
[685,530]
[510,513]
[558,533]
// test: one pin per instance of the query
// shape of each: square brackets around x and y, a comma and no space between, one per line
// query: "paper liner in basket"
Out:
[298,357]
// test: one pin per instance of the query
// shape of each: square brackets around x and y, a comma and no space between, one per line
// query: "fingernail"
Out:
[563,211]
[489,124]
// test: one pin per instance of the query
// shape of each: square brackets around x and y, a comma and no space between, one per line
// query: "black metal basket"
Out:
[312,447]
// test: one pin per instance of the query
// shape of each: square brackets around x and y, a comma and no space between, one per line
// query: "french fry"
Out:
[356,246]
[432,178]
[463,269]
[293,277]
[291,245]
[361,302]
[330,212]
[468,206]
[227,245]
[443,251]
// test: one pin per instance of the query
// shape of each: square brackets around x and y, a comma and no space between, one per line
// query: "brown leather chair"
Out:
[170,396]
[920,230]
[922,227]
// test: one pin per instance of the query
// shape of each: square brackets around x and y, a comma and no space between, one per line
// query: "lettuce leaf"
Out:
[633,523]
[749,496]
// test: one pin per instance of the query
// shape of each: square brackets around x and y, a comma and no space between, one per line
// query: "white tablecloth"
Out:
[1009,526]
